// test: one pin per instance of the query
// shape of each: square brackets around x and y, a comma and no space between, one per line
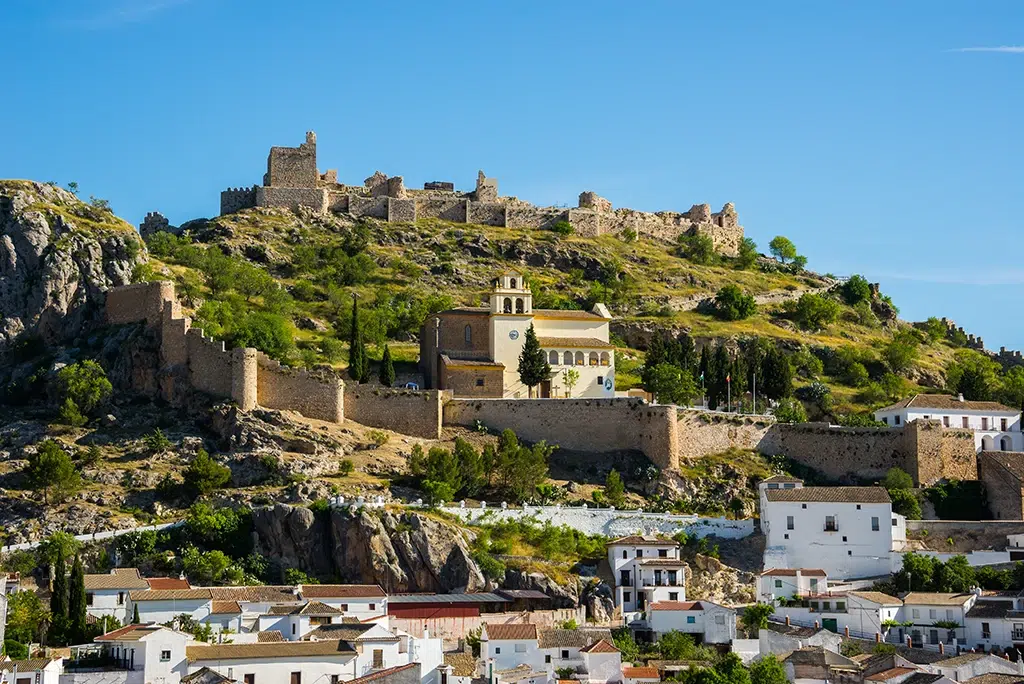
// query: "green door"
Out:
[830,624]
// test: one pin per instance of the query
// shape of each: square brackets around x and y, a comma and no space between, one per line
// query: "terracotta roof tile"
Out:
[284,649]
[225,607]
[574,342]
[830,495]
[571,638]
[924,598]
[118,578]
[508,632]
[341,591]
[162,583]
[462,664]
[638,540]
[791,572]
[675,605]
[381,674]
[269,637]
[890,673]
[600,646]
[876,597]
[640,673]
[129,633]
[24,666]
[948,402]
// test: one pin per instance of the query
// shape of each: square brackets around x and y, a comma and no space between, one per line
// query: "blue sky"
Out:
[883,138]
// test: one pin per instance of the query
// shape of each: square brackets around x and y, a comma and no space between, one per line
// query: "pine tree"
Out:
[77,604]
[387,368]
[533,362]
[59,602]
[357,362]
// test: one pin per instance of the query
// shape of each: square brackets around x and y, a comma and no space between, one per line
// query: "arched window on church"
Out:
[519,305]
[579,359]
[507,307]
[512,283]
[567,358]
[552,358]
[467,333]
[593,358]
[605,359]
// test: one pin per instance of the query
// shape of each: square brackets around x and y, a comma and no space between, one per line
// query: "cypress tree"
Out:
[135,615]
[356,351]
[533,363]
[59,602]
[687,354]
[655,355]
[387,368]
[77,604]
[719,371]
[776,377]
[704,376]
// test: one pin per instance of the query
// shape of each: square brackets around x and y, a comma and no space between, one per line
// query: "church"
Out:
[474,351]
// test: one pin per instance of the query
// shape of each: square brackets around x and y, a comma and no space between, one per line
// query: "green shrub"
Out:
[346,466]
[204,474]
[790,410]
[157,441]
[270,333]
[84,385]
[856,289]
[562,228]
[700,249]
[731,304]
[304,291]
[813,311]
[905,503]
[51,472]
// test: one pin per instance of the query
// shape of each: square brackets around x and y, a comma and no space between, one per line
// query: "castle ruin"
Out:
[292,180]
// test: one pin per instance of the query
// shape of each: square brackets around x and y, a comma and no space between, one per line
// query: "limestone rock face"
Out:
[402,553]
[562,595]
[599,602]
[710,579]
[57,257]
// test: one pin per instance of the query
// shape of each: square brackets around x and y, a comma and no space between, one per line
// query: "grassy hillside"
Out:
[402,272]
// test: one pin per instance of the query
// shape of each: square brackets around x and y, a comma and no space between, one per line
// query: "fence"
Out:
[93,537]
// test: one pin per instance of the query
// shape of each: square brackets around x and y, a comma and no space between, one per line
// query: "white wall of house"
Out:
[924,616]
[990,428]
[160,656]
[361,608]
[602,667]
[625,560]
[989,632]
[509,653]
[165,611]
[279,670]
[712,623]
[858,545]
[376,655]
[771,587]
[103,602]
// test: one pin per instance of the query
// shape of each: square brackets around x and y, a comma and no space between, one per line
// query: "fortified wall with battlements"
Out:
[292,180]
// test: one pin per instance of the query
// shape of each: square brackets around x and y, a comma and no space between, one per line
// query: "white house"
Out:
[645,567]
[996,621]
[107,593]
[791,583]
[602,663]
[864,613]
[640,675]
[295,621]
[848,532]
[352,600]
[996,427]
[156,653]
[937,617]
[376,647]
[164,605]
[290,662]
[560,648]
[35,671]
[712,623]
[507,646]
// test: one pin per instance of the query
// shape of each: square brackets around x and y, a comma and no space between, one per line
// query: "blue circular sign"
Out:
[513,334]
[608,383]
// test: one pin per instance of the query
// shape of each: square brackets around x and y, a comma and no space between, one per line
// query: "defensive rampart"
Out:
[416,413]
[601,425]
[243,375]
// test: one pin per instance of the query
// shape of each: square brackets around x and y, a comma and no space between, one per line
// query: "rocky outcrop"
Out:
[710,579]
[405,552]
[598,600]
[562,595]
[57,257]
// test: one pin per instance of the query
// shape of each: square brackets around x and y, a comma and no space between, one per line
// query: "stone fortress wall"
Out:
[246,376]
[292,181]
[409,412]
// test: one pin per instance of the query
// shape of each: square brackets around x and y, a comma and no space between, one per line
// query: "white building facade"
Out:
[848,532]
[645,568]
[996,427]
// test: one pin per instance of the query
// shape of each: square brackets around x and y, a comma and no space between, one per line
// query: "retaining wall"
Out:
[705,432]
[454,628]
[312,395]
[410,412]
[600,425]
[610,522]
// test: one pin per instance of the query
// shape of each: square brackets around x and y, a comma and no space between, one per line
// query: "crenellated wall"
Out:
[243,375]
[410,412]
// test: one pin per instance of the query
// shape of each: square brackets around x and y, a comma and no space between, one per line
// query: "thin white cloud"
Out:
[1013,49]
[124,12]
[996,278]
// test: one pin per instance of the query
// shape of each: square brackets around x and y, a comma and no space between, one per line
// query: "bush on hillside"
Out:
[731,304]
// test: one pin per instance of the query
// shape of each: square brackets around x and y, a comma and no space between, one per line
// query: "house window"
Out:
[624,577]
[966,421]
[343,607]
[896,420]
[984,423]
[627,597]
[986,632]
[639,553]
[789,522]
[672,578]
[479,382]
[849,553]
[1002,424]
[497,650]
[673,596]
[520,648]
[662,553]
[593,358]
[335,679]
[88,599]
[932,614]
[565,654]
[506,306]
[293,629]
[373,606]
[844,538]
[249,678]
[915,613]
[165,656]
[894,523]
[814,585]
[378,658]
[296,678]
[600,380]
[885,419]
[858,507]
[874,523]
[552,358]
[945,421]
[803,506]
[567,359]
[840,606]
[690,620]
[467,334]
[825,606]
[624,554]
[579,358]
[814,605]
[778,584]
[719,619]
[786,535]
[120,598]
[830,524]
[519,305]
[547,659]
[605,359]
[512,283]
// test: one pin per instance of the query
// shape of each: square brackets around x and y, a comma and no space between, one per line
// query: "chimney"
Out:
[910,644]
[942,648]
[960,398]
[787,621]
[878,637]
[815,624]
[846,631]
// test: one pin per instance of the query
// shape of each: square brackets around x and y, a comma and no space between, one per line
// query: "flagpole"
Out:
[728,393]
[755,393]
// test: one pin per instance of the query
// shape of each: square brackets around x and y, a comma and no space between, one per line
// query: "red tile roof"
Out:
[600,646]
[791,572]
[380,674]
[162,583]
[517,631]
[341,591]
[675,605]
[641,672]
